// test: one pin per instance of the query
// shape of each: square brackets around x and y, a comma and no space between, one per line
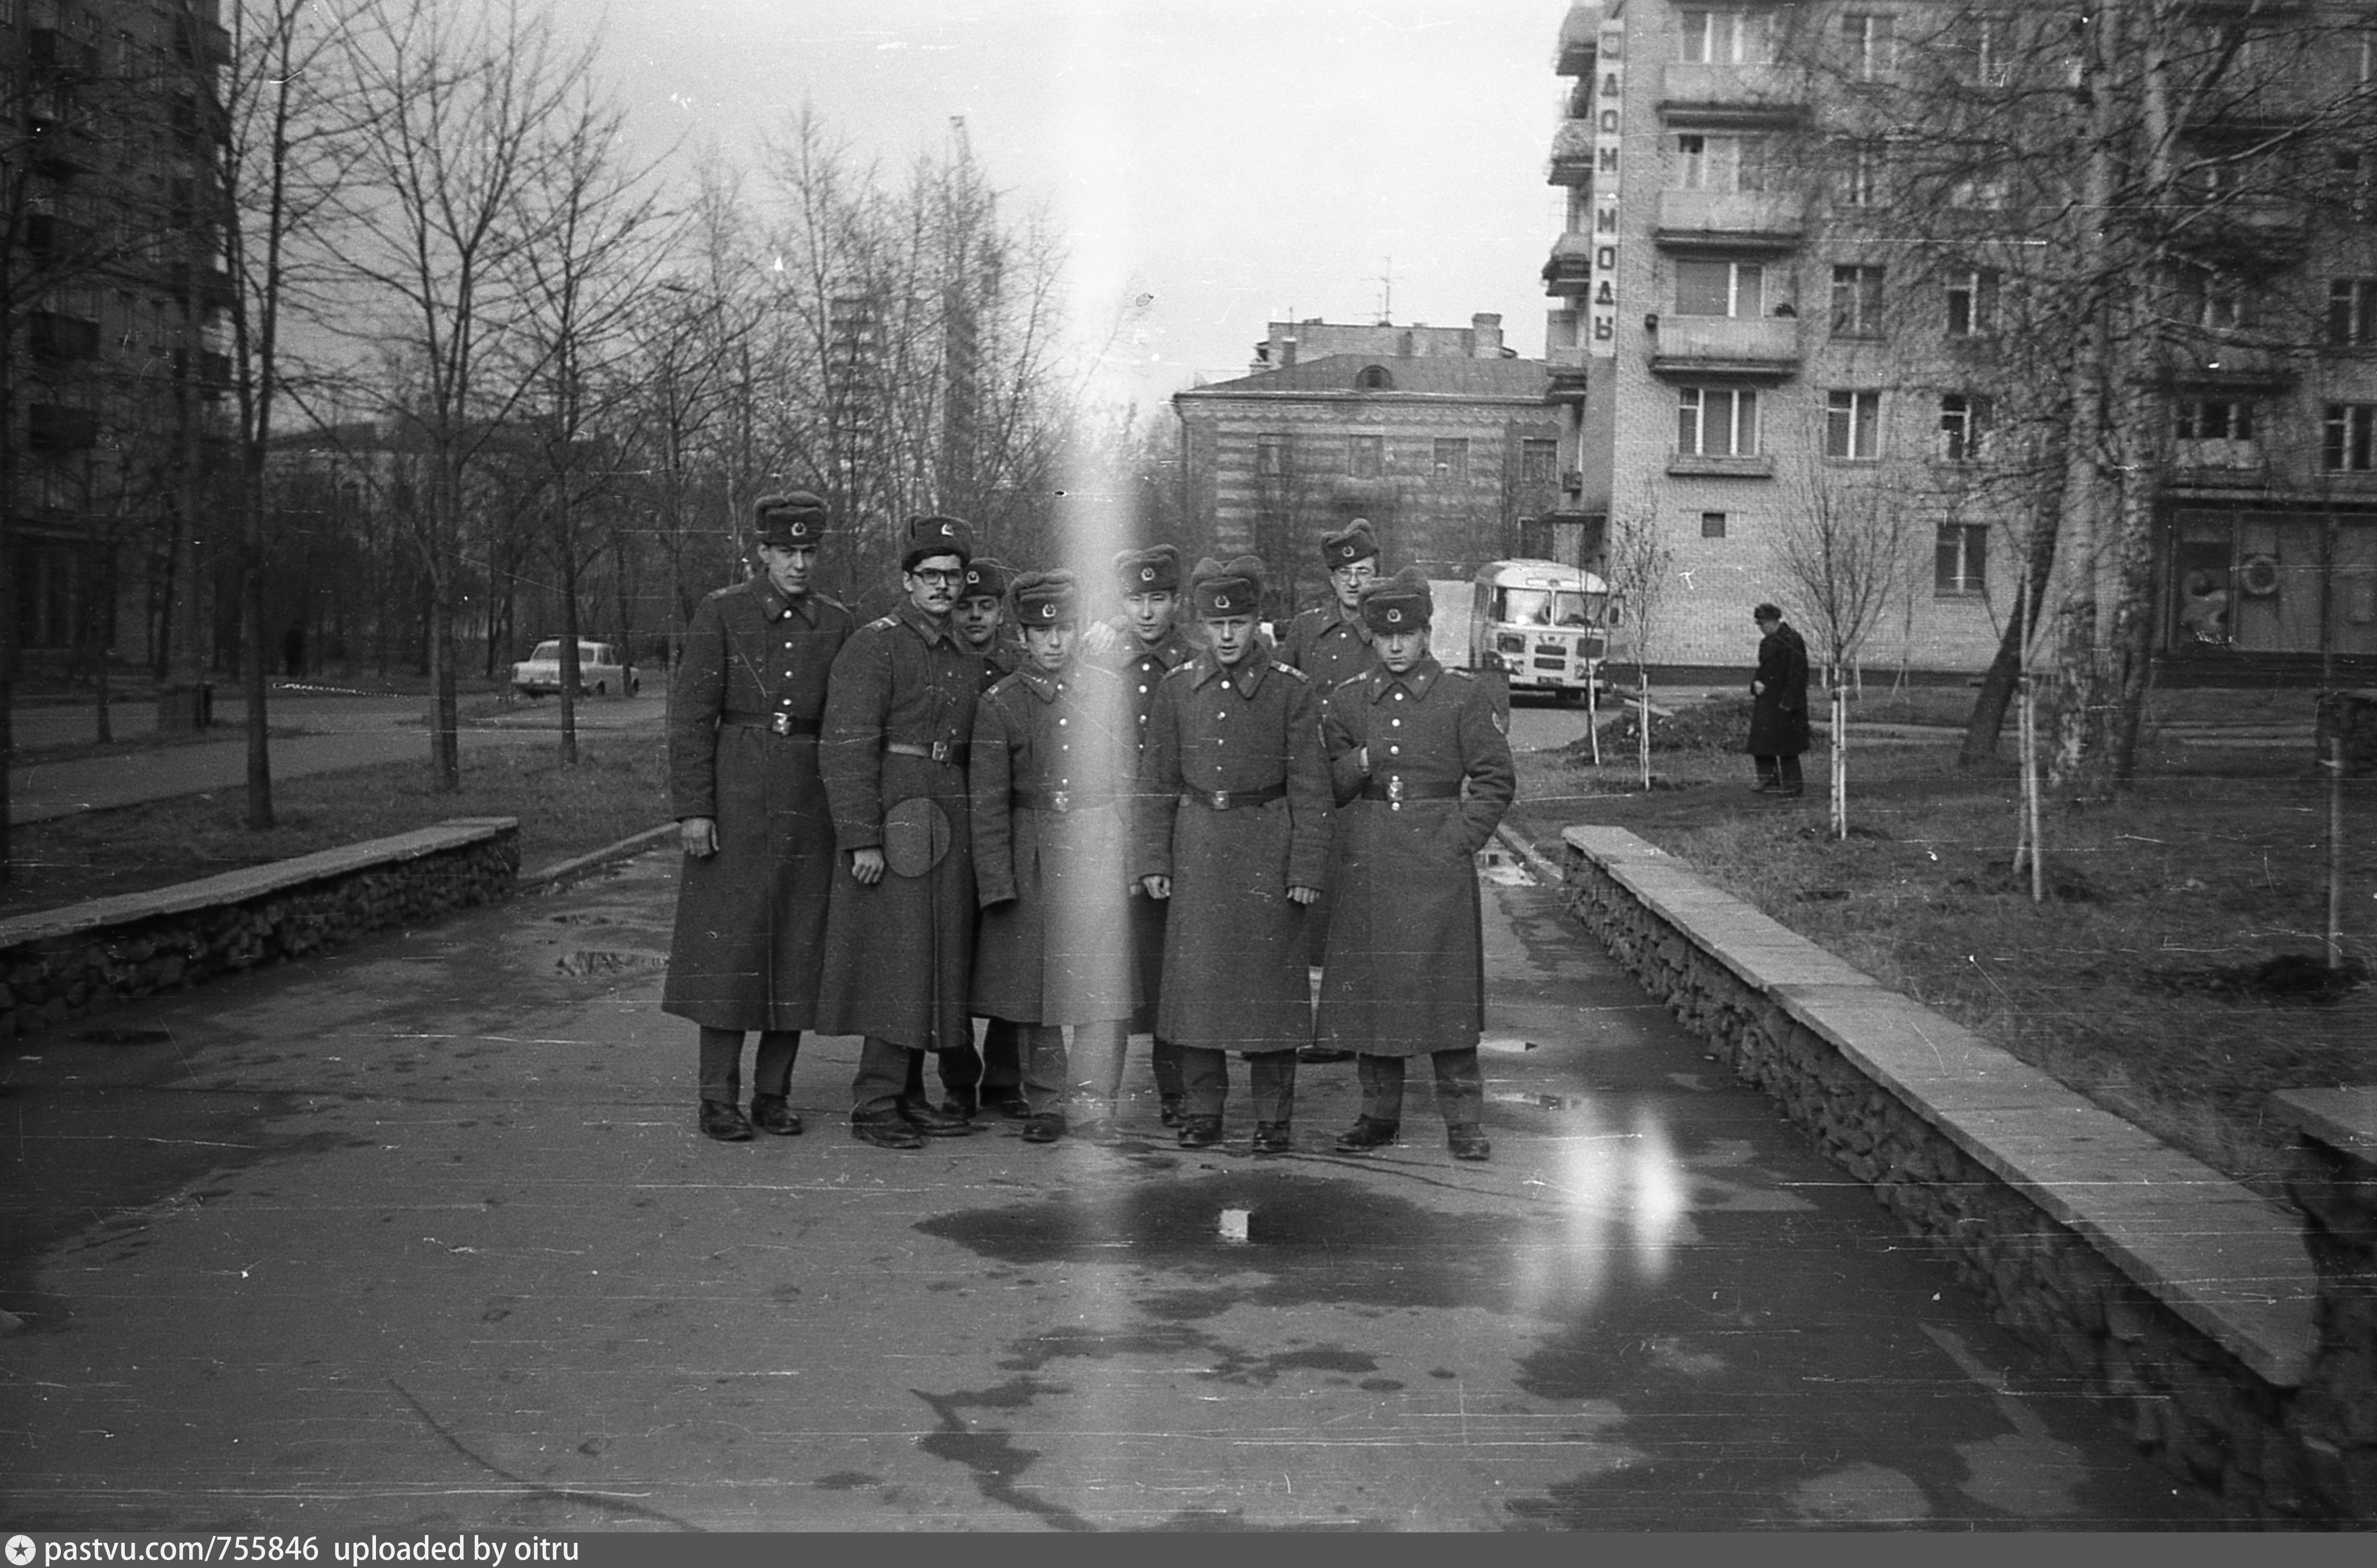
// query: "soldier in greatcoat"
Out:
[1778,704]
[992,1077]
[899,936]
[1151,646]
[1331,644]
[1053,761]
[744,783]
[1233,831]
[1422,775]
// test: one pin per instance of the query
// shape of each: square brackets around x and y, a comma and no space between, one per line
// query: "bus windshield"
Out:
[1545,606]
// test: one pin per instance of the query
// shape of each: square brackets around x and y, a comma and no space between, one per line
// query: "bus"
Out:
[1545,625]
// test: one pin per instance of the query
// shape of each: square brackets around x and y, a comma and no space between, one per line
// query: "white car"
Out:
[599,671]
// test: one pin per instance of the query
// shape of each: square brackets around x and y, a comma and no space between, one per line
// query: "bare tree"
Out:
[1841,545]
[1640,566]
[462,107]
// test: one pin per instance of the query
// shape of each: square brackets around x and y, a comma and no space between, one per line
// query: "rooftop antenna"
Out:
[1386,294]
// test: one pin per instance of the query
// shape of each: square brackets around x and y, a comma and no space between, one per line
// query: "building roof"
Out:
[1429,375]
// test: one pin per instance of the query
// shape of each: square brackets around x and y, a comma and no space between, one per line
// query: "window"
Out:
[1538,462]
[1960,560]
[1857,302]
[1964,426]
[1711,525]
[1720,288]
[1270,456]
[1452,460]
[1861,174]
[1870,39]
[1375,378]
[2213,419]
[1366,456]
[1724,37]
[2352,311]
[1980,50]
[1853,425]
[1982,190]
[2346,446]
[1721,163]
[2210,300]
[2356,174]
[1973,302]
[1716,422]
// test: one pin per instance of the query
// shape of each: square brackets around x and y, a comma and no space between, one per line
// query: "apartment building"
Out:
[1823,255]
[110,398]
[1438,436]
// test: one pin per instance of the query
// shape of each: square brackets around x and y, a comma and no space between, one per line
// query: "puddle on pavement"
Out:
[1503,870]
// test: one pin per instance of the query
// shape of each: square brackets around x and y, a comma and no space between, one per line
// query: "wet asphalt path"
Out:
[421,1236]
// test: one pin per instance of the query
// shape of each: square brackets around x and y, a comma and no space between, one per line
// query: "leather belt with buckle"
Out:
[775,723]
[1231,799]
[1058,801]
[1395,791]
[948,753]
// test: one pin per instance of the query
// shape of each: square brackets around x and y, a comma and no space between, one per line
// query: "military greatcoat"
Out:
[1142,666]
[743,711]
[1331,648]
[1406,972]
[1051,777]
[899,708]
[1778,714]
[1235,972]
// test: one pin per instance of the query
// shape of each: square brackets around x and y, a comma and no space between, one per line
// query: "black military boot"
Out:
[1366,1134]
[773,1113]
[1199,1132]
[1271,1138]
[1467,1141]
[725,1120]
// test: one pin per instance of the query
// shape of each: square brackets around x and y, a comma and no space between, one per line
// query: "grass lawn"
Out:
[615,790]
[2144,980]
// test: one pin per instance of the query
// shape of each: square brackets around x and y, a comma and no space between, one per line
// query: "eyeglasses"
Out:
[938,578]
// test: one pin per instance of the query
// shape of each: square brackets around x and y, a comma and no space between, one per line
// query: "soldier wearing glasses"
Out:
[1053,758]
[899,930]
[1234,832]
[743,714]
[1422,776]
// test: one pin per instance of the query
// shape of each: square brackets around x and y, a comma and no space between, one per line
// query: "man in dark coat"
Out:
[1778,711]
[759,838]
[898,937]
[992,1077]
[1332,645]
[1234,829]
[1422,775]
[1152,647]
[1053,759]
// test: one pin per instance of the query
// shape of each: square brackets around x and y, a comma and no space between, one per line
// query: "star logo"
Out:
[1221,601]
[20,1549]
[1147,574]
[1394,617]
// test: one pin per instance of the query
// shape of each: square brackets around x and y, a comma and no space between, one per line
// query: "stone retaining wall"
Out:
[62,964]
[2334,1182]
[2294,1453]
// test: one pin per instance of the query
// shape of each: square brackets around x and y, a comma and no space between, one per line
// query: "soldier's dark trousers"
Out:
[1460,1086]
[1168,1071]
[1042,1048]
[1095,1066]
[1270,1082]
[887,1075]
[1778,772]
[722,1063]
[994,1070]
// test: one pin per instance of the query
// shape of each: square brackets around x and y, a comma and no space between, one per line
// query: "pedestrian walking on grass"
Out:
[1422,775]
[743,711]
[898,942]
[1234,832]
[1052,763]
[1778,710]
[1151,646]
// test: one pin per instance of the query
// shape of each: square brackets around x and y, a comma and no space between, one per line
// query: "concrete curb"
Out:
[550,877]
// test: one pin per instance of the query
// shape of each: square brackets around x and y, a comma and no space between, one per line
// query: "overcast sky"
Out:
[1220,163]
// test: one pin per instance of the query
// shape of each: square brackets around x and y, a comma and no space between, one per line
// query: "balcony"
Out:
[1571,155]
[1756,348]
[2202,357]
[2218,465]
[52,336]
[1685,465]
[1580,39]
[214,369]
[2272,228]
[210,287]
[1569,378]
[58,58]
[54,238]
[1734,95]
[56,427]
[1733,221]
[1571,267]
[201,43]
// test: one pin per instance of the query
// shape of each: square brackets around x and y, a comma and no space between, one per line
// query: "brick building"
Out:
[110,401]
[1746,316]
[1438,436]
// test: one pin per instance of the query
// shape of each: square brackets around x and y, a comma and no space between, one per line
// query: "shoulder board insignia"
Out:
[1292,670]
[1461,675]
[884,624]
